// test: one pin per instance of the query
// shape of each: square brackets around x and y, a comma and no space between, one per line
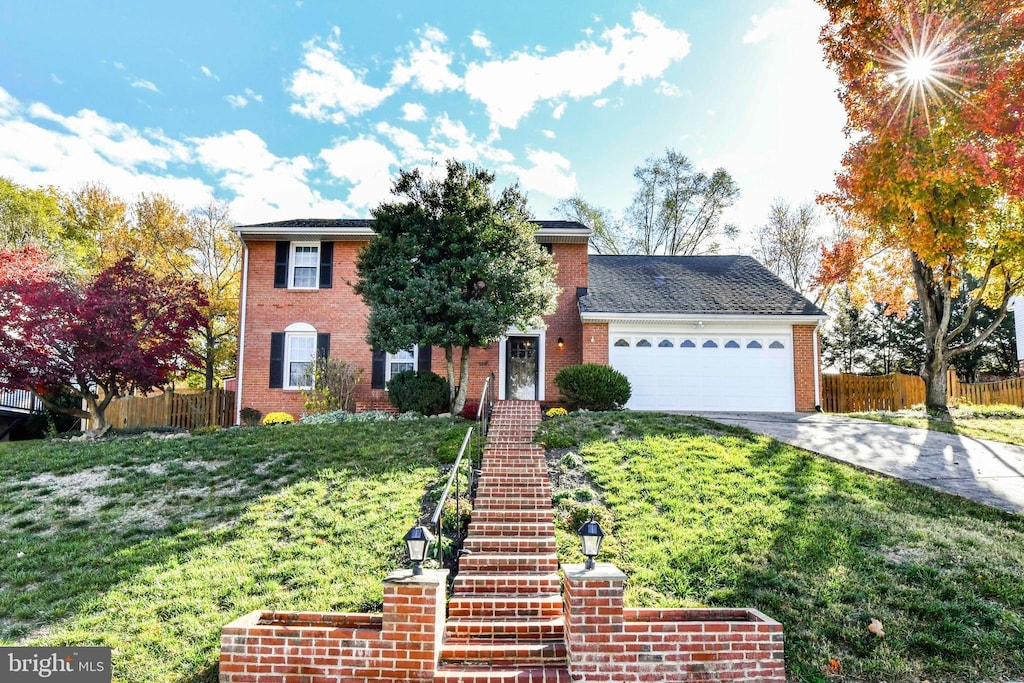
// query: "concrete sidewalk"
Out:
[988,472]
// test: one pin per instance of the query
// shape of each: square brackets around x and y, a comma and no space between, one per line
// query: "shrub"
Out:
[250,416]
[334,386]
[593,387]
[422,392]
[469,410]
[208,429]
[278,419]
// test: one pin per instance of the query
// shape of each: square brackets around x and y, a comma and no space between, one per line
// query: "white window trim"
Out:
[541,335]
[292,332]
[387,364]
[291,265]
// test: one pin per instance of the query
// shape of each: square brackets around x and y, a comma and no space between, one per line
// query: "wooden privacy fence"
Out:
[855,393]
[170,409]
[1009,391]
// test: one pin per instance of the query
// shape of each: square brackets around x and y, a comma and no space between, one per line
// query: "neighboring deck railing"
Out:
[19,401]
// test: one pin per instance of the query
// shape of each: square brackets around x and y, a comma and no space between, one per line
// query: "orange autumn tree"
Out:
[934,178]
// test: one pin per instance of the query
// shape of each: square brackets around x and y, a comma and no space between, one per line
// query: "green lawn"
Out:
[150,546]
[998,423]
[702,514]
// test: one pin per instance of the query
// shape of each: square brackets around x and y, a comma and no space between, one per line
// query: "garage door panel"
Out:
[705,378]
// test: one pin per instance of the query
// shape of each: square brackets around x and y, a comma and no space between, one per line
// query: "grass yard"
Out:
[702,514]
[149,546]
[998,423]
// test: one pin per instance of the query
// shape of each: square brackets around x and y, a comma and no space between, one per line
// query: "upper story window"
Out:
[305,266]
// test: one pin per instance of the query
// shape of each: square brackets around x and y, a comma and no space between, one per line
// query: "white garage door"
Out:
[706,371]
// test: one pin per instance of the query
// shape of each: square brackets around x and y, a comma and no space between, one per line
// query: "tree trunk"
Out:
[97,414]
[460,398]
[210,354]
[935,378]
[449,361]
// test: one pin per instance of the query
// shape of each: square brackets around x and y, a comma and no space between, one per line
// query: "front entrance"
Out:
[521,368]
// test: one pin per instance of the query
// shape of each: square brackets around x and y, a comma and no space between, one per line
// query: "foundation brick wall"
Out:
[293,647]
[609,643]
[804,368]
[340,312]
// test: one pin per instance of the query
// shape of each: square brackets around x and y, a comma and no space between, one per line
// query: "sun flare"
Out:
[924,62]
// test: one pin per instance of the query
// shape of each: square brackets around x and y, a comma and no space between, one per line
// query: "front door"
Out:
[522,368]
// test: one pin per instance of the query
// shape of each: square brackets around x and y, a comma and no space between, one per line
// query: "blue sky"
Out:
[308,109]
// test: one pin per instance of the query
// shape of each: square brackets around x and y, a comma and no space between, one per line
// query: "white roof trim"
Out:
[656,318]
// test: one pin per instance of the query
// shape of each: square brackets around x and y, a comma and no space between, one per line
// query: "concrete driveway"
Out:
[988,472]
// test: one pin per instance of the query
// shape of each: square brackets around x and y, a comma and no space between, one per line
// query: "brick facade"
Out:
[341,313]
[610,643]
[595,343]
[805,370]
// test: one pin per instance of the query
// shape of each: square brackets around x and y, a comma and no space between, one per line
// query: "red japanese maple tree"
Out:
[119,332]
[934,177]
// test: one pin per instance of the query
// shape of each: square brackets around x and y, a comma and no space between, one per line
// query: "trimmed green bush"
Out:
[593,387]
[421,392]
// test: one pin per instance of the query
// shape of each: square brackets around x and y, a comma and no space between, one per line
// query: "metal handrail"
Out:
[435,520]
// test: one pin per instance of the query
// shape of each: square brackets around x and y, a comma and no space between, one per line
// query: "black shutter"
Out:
[277,359]
[281,265]
[323,346]
[377,370]
[423,362]
[326,264]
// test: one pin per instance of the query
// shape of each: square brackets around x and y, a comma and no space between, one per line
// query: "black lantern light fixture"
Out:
[561,343]
[591,535]
[417,541]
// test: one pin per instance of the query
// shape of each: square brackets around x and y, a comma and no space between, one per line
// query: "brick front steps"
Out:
[505,616]
[512,616]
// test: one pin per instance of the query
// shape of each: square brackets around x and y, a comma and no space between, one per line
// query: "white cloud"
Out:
[90,148]
[119,66]
[209,74]
[253,95]
[328,90]
[366,165]
[778,20]
[479,40]
[559,110]
[510,88]
[145,85]
[428,66]
[118,142]
[56,79]
[668,89]
[712,113]
[601,102]
[265,186]
[549,174]
[414,112]
[452,139]
[237,101]
[549,134]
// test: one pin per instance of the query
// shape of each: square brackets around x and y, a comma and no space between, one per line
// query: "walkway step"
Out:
[509,562]
[510,516]
[467,650]
[489,674]
[506,583]
[484,629]
[500,606]
[479,528]
[509,544]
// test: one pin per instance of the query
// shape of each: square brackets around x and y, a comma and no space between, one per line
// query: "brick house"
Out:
[691,333]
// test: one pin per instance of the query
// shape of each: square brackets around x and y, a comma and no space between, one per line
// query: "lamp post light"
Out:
[591,535]
[417,541]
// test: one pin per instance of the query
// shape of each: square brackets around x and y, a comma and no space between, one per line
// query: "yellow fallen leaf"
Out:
[876,627]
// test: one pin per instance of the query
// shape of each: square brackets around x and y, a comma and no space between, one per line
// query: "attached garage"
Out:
[704,333]
[671,368]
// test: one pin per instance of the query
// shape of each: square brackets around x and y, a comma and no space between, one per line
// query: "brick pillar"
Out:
[593,610]
[595,351]
[414,617]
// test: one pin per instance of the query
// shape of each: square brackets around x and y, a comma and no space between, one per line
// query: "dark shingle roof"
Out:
[324,223]
[697,285]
